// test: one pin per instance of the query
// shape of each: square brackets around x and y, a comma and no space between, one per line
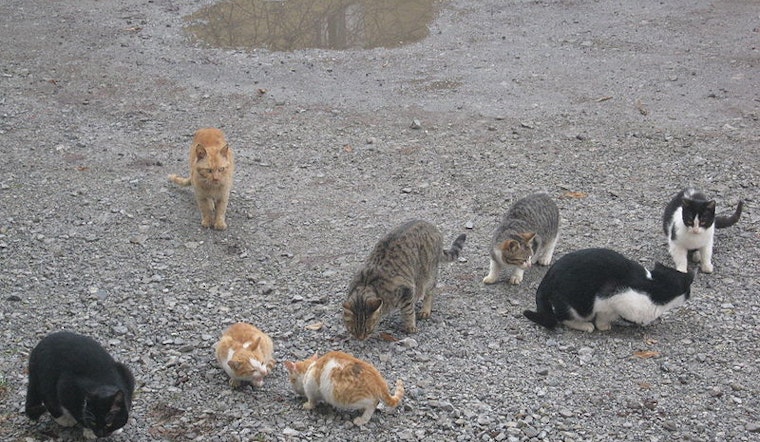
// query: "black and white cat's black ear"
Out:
[126,374]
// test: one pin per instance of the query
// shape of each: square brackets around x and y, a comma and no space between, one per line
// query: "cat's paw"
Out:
[308,406]
[206,223]
[359,421]
[220,225]
[706,267]
[65,420]
[412,329]
[234,383]
[89,434]
[490,279]
[603,326]
[516,279]
[422,314]
[544,261]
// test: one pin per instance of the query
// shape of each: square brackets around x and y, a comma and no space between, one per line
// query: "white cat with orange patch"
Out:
[211,168]
[342,381]
[245,354]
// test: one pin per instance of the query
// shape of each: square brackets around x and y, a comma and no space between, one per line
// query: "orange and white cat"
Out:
[211,168]
[245,353]
[342,381]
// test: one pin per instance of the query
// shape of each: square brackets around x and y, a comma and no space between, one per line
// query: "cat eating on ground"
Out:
[77,381]
[689,222]
[591,288]
[344,382]
[527,234]
[401,269]
[245,354]
[211,168]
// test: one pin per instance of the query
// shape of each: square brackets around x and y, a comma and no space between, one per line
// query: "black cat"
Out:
[597,286]
[77,381]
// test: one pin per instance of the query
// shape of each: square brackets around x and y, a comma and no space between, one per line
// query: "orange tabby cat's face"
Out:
[212,158]
[297,370]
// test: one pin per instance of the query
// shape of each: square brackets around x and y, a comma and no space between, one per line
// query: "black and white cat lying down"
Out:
[594,287]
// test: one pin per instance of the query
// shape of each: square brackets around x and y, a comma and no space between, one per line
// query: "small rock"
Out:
[469,225]
[13,298]
[120,330]
[407,342]
[753,427]
[290,432]
[670,426]
[416,124]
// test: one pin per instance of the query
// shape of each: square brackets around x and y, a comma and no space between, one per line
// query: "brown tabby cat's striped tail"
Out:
[722,222]
[176,179]
[453,253]
[393,401]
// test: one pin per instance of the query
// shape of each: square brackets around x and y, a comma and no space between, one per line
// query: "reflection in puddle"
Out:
[288,25]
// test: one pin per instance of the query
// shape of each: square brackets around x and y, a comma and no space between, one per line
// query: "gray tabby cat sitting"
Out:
[401,270]
[527,234]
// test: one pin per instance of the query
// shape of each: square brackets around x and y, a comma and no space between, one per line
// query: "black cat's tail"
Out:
[453,253]
[722,222]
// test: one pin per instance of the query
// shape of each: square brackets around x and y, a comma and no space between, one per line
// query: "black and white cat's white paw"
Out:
[706,267]
[89,434]
[65,419]
[580,325]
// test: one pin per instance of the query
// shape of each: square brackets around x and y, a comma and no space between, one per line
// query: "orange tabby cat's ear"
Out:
[225,150]
[253,345]
[200,151]
[290,366]
[235,365]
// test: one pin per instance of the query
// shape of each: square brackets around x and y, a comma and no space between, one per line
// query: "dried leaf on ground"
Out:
[315,326]
[388,337]
[646,354]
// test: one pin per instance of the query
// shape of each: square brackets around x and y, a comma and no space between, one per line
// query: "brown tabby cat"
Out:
[245,353]
[211,169]
[401,270]
[342,381]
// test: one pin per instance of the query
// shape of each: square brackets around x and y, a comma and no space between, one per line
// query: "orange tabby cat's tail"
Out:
[393,401]
[179,180]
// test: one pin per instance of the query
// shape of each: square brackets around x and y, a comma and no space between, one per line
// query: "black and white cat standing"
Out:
[689,222]
[77,381]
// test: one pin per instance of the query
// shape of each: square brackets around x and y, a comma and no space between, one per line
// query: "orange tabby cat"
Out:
[342,381]
[211,169]
[245,353]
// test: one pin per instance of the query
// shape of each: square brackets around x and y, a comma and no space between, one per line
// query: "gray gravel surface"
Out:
[610,106]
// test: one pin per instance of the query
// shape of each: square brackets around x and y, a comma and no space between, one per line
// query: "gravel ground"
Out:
[610,106]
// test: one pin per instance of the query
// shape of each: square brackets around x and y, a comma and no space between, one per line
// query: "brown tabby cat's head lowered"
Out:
[518,250]
[362,312]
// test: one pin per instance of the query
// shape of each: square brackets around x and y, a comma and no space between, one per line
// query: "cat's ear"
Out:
[509,245]
[225,150]
[200,152]
[290,366]
[118,401]
[710,205]
[347,308]
[528,236]
[374,304]
[235,365]
[255,343]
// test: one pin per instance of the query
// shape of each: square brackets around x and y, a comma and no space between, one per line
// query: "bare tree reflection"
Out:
[287,25]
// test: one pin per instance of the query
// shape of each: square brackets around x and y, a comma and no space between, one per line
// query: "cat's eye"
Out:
[208,170]
[221,169]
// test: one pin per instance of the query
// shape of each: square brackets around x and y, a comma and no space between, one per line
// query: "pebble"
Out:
[416,124]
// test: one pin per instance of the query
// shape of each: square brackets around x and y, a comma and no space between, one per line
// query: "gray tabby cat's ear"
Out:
[347,308]
[509,245]
[528,236]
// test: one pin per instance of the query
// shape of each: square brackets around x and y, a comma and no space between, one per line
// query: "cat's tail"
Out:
[393,401]
[176,179]
[453,253]
[722,222]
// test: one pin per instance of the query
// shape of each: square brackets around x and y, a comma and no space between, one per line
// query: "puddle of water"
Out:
[288,25]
